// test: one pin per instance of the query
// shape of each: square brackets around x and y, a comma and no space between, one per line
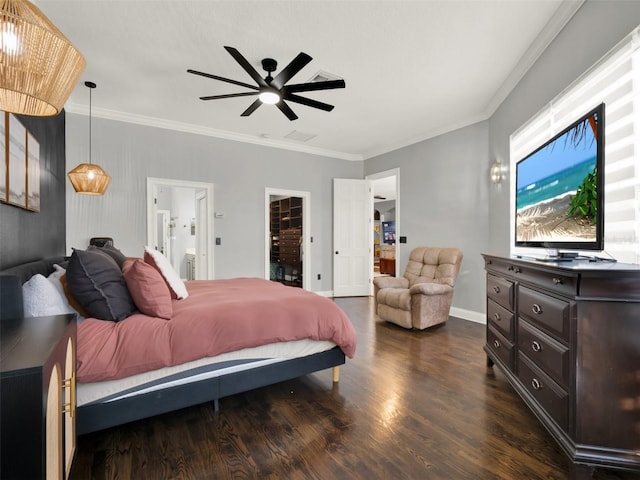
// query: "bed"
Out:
[115,388]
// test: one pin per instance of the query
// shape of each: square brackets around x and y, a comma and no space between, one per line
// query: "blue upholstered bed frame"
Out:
[99,416]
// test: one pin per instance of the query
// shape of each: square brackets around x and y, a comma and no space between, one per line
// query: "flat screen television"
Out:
[560,190]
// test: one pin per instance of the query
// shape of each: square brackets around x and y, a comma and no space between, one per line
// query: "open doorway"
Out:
[179,224]
[287,237]
[385,186]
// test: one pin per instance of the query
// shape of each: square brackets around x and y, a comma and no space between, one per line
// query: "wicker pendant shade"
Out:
[89,178]
[38,65]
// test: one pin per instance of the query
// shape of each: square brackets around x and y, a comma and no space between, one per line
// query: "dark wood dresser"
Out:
[567,337]
[37,394]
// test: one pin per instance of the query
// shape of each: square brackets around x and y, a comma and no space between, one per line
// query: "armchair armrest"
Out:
[391,282]
[430,289]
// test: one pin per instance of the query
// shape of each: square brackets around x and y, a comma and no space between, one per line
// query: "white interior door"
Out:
[164,233]
[202,252]
[352,237]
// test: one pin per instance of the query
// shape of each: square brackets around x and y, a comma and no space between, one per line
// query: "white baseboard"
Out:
[468,315]
[328,293]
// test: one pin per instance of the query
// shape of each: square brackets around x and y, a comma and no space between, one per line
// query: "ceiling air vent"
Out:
[300,136]
[324,77]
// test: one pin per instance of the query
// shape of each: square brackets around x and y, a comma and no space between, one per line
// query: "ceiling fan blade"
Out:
[228,95]
[290,70]
[244,63]
[311,86]
[284,108]
[222,79]
[308,102]
[252,108]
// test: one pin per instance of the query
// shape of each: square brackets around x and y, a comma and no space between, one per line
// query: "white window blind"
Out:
[614,80]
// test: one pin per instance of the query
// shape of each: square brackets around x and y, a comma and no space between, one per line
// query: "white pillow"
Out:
[170,275]
[41,297]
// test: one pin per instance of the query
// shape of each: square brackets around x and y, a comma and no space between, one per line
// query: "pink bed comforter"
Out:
[219,316]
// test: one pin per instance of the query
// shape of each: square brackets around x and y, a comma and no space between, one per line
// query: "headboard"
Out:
[11,281]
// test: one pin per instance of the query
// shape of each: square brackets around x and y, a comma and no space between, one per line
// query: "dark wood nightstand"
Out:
[37,397]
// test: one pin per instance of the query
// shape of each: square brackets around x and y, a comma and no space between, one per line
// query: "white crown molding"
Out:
[554,26]
[425,136]
[210,132]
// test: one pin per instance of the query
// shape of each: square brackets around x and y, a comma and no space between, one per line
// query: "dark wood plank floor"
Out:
[410,405]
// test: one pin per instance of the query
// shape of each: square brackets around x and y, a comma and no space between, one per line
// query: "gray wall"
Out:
[444,185]
[240,173]
[387,209]
[25,235]
[591,33]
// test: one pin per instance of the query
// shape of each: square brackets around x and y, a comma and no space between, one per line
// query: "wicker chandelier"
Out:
[38,65]
[89,178]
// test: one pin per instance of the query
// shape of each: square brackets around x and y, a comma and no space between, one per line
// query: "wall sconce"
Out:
[89,178]
[39,65]
[497,172]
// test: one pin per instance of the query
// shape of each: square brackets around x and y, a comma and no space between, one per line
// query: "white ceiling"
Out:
[413,69]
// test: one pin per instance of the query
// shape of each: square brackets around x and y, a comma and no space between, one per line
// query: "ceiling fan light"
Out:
[269,97]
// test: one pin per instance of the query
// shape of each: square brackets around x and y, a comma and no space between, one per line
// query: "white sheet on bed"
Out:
[265,354]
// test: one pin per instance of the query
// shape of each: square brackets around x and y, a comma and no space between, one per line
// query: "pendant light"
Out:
[89,178]
[39,67]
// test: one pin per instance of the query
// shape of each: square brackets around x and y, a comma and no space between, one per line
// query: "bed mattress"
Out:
[201,369]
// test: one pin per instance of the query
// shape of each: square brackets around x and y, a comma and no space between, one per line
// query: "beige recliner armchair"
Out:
[422,296]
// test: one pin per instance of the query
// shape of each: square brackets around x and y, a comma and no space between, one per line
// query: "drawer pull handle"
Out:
[70,407]
[496,343]
[537,309]
[557,281]
[535,383]
[535,346]
[510,267]
[496,317]
[517,270]
[496,289]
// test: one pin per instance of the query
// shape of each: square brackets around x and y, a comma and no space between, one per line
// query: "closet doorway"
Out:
[287,237]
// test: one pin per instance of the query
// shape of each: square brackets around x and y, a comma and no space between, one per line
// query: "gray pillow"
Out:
[96,282]
[113,252]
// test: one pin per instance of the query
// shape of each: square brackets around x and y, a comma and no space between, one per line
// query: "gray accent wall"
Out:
[25,235]
[240,173]
[444,188]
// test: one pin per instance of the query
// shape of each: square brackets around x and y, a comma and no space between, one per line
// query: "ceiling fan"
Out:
[272,90]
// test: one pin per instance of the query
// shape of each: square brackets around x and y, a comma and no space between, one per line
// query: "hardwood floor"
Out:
[411,405]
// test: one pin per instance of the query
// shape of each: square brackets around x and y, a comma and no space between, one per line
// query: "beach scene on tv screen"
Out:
[546,182]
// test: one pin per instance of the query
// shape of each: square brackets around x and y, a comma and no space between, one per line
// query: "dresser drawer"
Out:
[551,356]
[500,346]
[551,314]
[500,291]
[557,282]
[551,397]
[501,318]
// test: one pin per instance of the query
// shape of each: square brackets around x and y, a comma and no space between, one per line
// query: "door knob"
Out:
[337,252]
